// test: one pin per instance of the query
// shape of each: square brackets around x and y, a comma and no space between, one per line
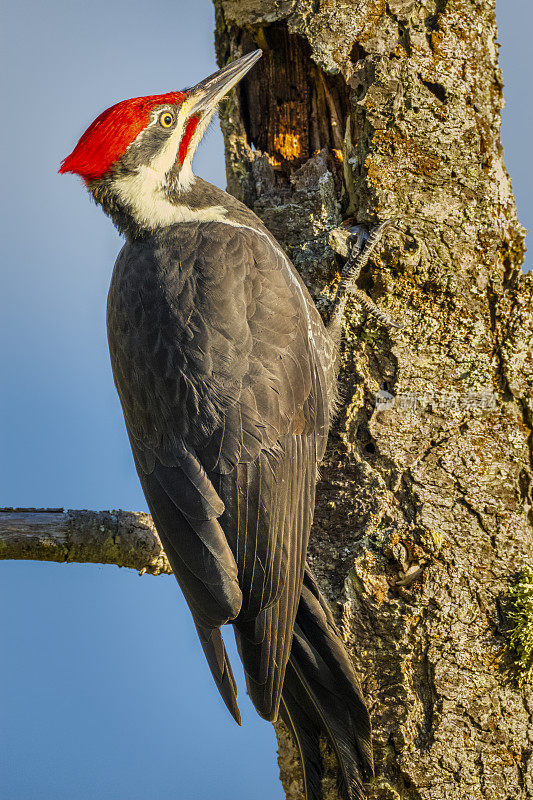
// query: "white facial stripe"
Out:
[143,194]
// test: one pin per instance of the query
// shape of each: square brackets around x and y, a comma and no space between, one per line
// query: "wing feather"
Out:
[264,639]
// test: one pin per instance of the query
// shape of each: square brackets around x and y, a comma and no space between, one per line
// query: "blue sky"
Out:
[103,688]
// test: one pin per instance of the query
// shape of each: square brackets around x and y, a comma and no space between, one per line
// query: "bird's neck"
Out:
[139,205]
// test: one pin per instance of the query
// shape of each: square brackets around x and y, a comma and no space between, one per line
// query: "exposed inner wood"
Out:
[291,109]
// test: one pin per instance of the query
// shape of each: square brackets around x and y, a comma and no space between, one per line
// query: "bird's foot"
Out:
[359,247]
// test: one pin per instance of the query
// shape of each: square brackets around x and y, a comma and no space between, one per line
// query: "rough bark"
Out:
[369,110]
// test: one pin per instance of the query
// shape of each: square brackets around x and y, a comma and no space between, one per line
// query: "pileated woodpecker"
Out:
[226,375]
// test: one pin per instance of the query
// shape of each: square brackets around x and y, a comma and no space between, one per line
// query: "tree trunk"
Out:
[369,110]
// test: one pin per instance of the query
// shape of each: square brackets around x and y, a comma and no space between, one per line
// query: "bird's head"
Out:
[137,155]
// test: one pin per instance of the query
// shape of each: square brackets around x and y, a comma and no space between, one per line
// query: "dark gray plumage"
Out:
[226,401]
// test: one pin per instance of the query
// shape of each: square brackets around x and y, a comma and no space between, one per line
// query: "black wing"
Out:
[211,338]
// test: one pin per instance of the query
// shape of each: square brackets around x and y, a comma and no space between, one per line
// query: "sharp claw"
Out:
[369,306]
[360,246]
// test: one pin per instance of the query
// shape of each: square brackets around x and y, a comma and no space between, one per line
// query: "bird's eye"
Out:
[166,119]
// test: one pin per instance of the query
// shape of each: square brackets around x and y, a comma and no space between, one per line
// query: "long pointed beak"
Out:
[206,94]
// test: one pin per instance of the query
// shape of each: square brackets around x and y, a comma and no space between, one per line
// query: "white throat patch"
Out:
[143,194]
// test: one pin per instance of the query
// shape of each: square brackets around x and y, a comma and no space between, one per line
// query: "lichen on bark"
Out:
[520,633]
[369,110]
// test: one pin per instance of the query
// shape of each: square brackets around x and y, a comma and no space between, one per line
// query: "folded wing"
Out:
[224,395]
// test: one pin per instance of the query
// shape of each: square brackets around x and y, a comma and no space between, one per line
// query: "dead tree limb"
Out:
[124,538]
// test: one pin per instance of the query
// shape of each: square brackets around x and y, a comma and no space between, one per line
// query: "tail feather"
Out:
[322,698]
[305,727]
[219,663]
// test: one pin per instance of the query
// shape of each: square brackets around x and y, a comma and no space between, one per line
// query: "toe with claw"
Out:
[360,246]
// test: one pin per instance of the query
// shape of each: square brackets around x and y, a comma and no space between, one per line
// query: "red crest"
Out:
[108,137]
